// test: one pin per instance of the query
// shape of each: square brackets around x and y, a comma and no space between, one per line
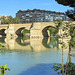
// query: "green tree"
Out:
[2,20]
[16,20]
[10,20]
[58,24]
[70,3]
[69,67]
[66,2]
[3,69]
[52,31]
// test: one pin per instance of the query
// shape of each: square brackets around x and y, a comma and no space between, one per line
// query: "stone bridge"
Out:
[37,29]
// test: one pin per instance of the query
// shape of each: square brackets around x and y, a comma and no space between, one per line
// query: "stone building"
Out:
[37,15]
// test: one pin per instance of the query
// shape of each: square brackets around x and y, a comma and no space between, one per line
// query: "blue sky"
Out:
[10,7]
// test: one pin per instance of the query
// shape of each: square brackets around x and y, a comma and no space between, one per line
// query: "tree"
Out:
[52,31]
[9,20]
[68,29]
[58,24]
[70,3]
[66,2]
[71,14]
[2,20]
[3,69]
[16,20]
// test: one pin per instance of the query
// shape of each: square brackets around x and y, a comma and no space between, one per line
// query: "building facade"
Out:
[37,15]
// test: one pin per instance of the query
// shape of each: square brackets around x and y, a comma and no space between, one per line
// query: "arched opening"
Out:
[49,31]
[19,31]
[2,32]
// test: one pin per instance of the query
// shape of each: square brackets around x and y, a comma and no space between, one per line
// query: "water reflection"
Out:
[50,42]
[23,41]
[34,56]
[2,40]
[65,69]
[33,44]
[17,44]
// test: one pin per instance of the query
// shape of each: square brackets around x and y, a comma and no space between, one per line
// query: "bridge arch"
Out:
[2,32]
[19,31]
[19,27]
[45,31]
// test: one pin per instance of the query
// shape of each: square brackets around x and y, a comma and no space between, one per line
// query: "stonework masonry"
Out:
[37,29]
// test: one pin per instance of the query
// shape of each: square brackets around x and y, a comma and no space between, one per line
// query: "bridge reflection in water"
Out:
[32,44]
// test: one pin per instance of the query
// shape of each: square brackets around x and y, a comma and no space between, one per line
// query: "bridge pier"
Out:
[10,32]
[35,31]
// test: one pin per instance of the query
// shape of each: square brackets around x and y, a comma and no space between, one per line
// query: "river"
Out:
[32,56]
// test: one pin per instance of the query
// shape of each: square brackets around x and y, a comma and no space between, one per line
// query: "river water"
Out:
[34,56]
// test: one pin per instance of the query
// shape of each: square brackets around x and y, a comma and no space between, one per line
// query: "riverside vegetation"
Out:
[69,67]
[3,69]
